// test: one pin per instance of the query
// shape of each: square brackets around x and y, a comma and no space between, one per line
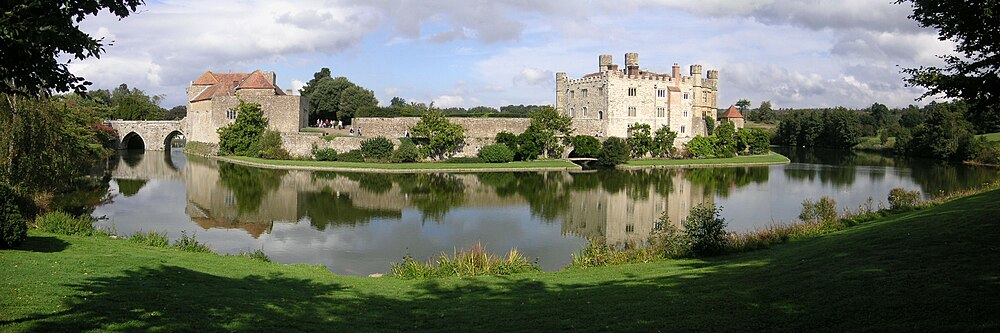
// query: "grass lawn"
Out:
[412,166]
[769,158]
[991,136]
[930,270]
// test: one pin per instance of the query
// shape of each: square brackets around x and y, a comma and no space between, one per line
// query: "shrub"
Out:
[702,146]
[407,152]
[443,137]
[190,244]
[667,241]
[236,138]
[471,262]
[353,155]
[706,230]
[824,210]
[613,152]
[754,141]
[584,146]
[465,160]
[325,154]
[63,223]
[599,253]
[377,149]
[151,238]
[496,153]
[13,227]
[269,146]
[900,198]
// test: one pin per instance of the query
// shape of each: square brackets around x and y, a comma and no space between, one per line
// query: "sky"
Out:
[465,53]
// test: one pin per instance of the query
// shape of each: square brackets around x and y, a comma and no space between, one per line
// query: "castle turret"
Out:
[696,75]
[632,63]
[604,63]
[561,81]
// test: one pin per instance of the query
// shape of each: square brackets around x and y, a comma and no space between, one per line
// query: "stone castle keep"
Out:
[618,98]
[212,97]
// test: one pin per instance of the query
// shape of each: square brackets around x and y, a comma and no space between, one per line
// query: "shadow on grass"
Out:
[930,270]
[42,244]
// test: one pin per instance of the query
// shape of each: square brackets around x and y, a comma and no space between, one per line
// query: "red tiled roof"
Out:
[731,113]
[256,80]
[226,84]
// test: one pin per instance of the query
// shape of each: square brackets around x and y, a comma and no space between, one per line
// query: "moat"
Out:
[357,223]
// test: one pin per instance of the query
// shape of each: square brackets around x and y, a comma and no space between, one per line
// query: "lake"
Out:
[358,223]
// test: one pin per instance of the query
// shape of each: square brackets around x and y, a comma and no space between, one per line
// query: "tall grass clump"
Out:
[150,238]
[66,224]
[190,244]
[257,254]
[472,262]
[901,199]
[600,253]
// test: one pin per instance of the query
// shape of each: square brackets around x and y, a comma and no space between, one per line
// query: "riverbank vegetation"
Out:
[831,282]
[443,165]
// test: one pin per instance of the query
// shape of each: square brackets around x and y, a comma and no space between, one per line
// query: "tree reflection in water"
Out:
[326,208]
[248,184]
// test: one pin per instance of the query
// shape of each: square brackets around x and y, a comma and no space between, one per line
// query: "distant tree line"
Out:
[124,103]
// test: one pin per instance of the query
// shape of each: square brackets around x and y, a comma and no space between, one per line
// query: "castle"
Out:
[617,99]
[213,96]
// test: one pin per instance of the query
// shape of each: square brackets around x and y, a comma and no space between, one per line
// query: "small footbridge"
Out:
[148,134]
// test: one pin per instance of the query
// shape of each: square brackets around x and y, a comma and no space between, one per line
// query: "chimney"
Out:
[604,63]
[270,76]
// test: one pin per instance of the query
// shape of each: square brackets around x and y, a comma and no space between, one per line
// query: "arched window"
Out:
[584,111]
[572,112]
[600,114]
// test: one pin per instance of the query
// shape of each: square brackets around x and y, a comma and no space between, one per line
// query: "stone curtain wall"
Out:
[474,127]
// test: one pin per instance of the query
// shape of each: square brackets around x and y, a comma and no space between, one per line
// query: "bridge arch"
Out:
[132,140]
[168,140]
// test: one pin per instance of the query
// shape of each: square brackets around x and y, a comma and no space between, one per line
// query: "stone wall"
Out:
[474,127]
[153,134]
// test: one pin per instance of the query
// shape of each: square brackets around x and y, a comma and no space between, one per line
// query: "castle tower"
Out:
[632,63]
[604,63]
[561,81]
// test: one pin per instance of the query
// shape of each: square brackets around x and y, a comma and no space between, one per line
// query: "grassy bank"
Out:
[430,166]
[993,137]
[934,270]
[771,158]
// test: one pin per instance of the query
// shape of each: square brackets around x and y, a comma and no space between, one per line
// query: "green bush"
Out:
[190,244]
[465,160]
[63,223]
[269,146]
[351,156]
[376,149]
[325,154]
[824,210]
[667,241]
[585,146]
[706,230]
[13,227]
[613,152]
[496,153]
[900,198]
[236,138]
[753,141]
[407,152]
[702,146]
[151,238]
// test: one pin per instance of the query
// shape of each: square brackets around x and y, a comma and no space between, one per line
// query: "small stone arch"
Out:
[170,137]
[132,140]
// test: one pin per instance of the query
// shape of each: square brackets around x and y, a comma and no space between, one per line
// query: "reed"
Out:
[474,261]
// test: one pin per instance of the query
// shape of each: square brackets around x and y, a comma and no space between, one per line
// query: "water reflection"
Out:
[356,223]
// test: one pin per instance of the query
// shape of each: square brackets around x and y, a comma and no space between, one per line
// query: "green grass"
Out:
[412,166]
[312,130]
[934,269]
[769,158]
[991,136]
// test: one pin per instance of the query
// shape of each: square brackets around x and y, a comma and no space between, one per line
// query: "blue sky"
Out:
[808,53]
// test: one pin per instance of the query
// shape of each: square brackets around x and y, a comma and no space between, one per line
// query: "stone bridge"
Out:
[148,134]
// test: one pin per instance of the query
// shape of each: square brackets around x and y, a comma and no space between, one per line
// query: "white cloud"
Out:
[535,76]
[448,101]
[297,85]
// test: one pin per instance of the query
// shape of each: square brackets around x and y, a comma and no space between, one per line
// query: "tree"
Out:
[764,113]
[355,99]
[640,140]
[743,104]
[663,142]
[880,113]
[35,34]
[709,125]
[974,73]
[240,136]
[397,102]
[944,135]
[540,136]
[133,104]
[585,146]
[323,92]
[443,137]
[614,151]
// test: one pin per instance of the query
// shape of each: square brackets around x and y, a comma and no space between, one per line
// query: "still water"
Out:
[358,223]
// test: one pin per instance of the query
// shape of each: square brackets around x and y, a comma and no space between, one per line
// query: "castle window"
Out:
[685,113]
[230,114]
[572,112]
[583,92]
[632,91]
[600,115]
[704,98]
[631,111]
[600,91]
[584,111]
[660,111]
[661,93]
[629,228]
[685,95]
[682,129]
[572,94]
